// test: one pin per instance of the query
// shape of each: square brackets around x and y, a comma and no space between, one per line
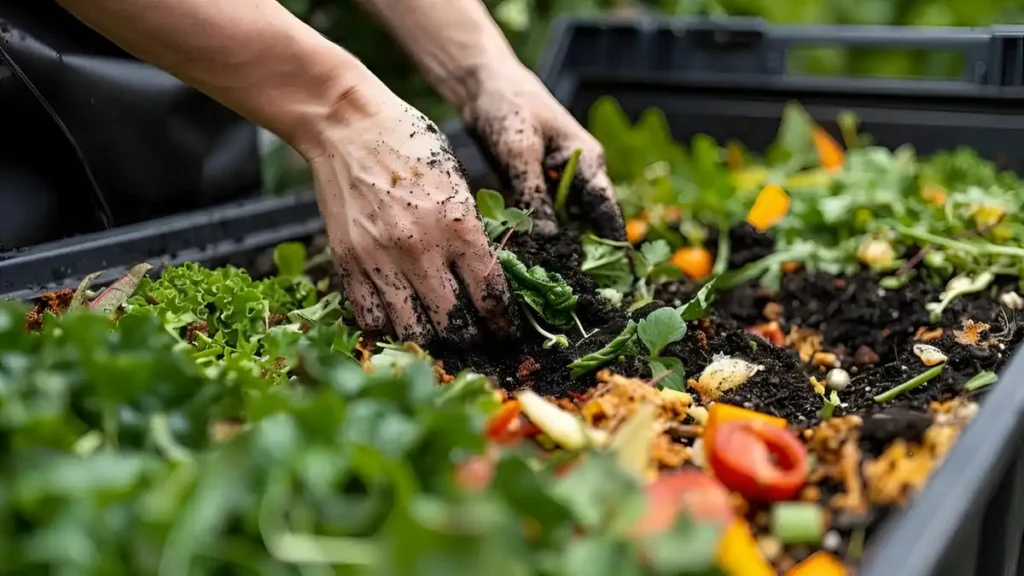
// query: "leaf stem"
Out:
[981,380]
[565,184]
[552,339]
[910,384]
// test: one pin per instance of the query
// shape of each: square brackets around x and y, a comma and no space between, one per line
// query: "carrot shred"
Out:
[770,207]
[830,153]
[694,261]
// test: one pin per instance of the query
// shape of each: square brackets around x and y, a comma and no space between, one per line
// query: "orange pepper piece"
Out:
[671,213]
[636,230]
[830,153]
[738,553]
[820,563]
[720,413]
[934,194]
[770,207]
[499,423]
[694,261]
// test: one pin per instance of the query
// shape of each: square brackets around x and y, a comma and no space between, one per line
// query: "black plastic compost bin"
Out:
[729,79]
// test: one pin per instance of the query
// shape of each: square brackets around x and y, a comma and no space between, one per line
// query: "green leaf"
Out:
[290,259]
[656,252]
[700,305]
[661,328]
[115,295]
[662,365]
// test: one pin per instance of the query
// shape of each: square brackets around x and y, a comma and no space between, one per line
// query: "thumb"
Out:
[518,148]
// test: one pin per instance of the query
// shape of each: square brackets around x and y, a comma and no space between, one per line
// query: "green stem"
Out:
[910,384]
[552,339]
[975,248]
[616,243]
[565,184]
[980,380]
[724,248]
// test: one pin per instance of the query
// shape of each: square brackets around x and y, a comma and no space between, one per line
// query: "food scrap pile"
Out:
[747,386]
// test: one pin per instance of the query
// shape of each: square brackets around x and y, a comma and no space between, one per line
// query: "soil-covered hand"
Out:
[526,133]
[403,225]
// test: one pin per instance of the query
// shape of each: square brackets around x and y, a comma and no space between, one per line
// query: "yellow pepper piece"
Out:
[750,178]
[770,207]
[720,413]
[830,153]
[738,553]
[987,216]
[819,564]
[808,179]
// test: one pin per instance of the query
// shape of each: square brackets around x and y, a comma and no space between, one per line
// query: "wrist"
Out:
[467,83]
[337,90]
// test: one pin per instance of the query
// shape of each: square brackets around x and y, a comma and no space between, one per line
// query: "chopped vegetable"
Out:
[830,154]
[760,461]
[694,261]
[636,230]
[689,492]
[565,429]
[720,414]
[929,355]
[798,522]
[115,295]
[820,563]
[876,253]
[739,554]
[1012,300]
[981,380]
[499,424]
[837,380]
[724,374]
[910,384]
[611,351]
[632,441]
[770,207]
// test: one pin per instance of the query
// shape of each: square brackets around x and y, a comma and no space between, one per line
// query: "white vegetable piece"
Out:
[563,428]
[837,379]
[1011,300]
[632,441]
[930,355]
[876,252]
[726,373]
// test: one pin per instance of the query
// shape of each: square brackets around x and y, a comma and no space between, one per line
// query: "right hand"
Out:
[403,224]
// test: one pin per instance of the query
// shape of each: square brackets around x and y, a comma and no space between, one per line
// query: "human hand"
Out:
[527,132]
[403,225]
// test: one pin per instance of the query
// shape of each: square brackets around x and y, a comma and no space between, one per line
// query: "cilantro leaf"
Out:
[661,328]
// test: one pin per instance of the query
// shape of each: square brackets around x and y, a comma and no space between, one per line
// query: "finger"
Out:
[591,189]
[601,206]
[519,148]
[399,299]
[439,294]
[362,294]
[485,285]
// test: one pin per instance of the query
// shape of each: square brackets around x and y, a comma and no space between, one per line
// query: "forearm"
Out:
[252,56]
[455,43]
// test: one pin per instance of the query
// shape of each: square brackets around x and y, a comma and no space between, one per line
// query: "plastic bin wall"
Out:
[231,233]
[729,78]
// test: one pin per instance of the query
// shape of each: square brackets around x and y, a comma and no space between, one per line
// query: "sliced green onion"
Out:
[909,384]
[980,380]
[797,522]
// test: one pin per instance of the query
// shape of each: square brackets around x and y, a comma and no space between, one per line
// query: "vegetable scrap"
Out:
[785,348]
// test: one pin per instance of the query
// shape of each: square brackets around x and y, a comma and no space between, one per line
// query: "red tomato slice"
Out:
[692,491]
[762,462]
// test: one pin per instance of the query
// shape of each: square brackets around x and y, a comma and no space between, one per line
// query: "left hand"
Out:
[527,132]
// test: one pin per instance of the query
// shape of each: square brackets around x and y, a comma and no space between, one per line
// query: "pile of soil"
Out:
[870,330]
